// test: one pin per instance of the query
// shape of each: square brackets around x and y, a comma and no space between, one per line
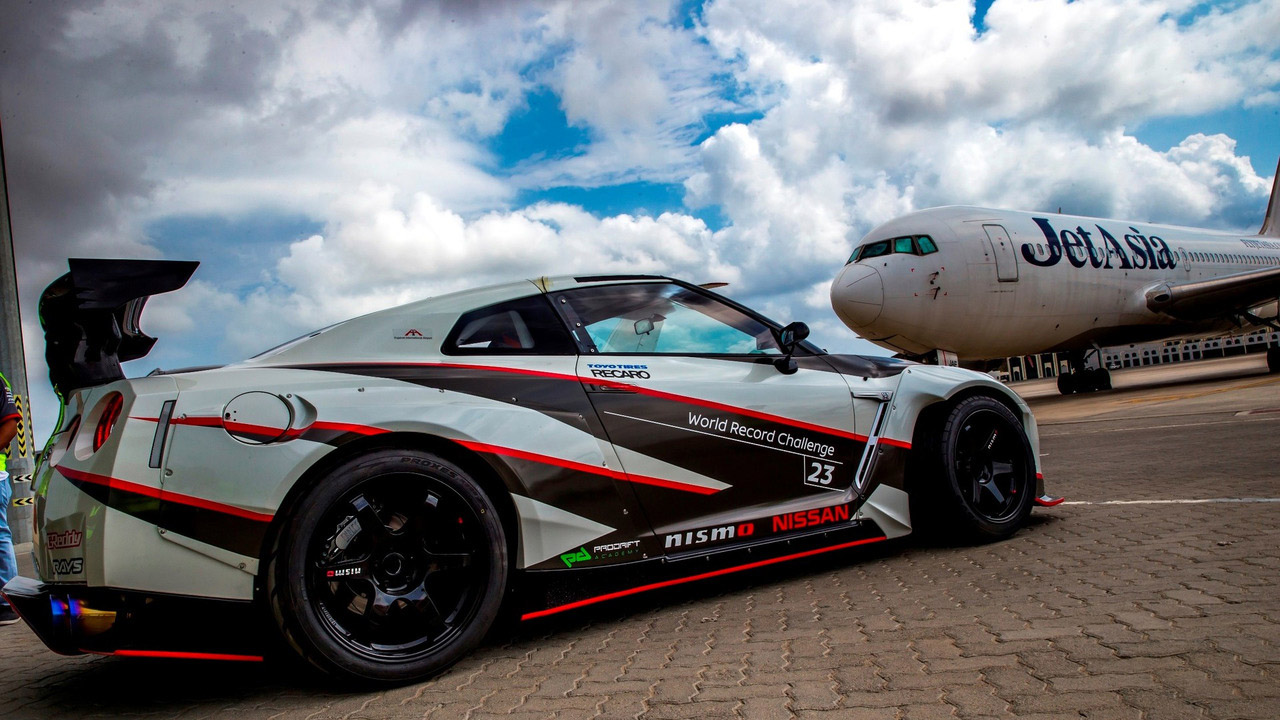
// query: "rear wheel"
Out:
[391,568]
[980,474]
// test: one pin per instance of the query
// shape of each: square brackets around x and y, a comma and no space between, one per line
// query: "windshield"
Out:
[905,245]
[664,318]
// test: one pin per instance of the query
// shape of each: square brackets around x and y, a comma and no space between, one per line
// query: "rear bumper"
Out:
[74,619]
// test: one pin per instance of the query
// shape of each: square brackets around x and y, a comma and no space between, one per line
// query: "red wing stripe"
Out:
[247,429]
[692,578]
[345,427]
[583,467]
[162,495]
[641,390]
[211,421]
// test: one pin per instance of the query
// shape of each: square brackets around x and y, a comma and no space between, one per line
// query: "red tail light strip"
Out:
[693,578]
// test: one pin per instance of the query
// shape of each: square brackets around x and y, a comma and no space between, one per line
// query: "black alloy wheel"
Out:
[394,566]
[981,457]
[987,459]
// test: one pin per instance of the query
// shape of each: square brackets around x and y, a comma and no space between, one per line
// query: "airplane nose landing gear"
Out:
[1083,379]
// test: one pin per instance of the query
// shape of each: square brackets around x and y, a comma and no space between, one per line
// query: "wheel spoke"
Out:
[369,521]
[1001,469]
[439,562]
[379,606]
[428,612]
[995,492]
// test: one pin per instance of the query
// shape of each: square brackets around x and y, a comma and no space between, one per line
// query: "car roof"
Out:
[417,329]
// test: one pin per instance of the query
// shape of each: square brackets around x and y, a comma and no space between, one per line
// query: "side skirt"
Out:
[550,592]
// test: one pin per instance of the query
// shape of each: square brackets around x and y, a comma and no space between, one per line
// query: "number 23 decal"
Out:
[819,474]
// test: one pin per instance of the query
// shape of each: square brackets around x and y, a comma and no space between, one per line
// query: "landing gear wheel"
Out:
[390,569]
[1273,359]
[1067,383]
[983,471]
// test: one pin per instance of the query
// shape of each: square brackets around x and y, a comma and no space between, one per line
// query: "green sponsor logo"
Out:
[575,557]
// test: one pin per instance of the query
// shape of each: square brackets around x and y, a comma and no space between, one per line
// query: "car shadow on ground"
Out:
[156,686]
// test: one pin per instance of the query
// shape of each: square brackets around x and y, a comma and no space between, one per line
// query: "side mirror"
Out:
[791,336]
[788,338]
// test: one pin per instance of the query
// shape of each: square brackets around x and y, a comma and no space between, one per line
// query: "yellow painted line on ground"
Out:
[1203,393]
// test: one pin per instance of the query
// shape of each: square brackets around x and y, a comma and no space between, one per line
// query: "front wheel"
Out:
[390,569]
[979,478]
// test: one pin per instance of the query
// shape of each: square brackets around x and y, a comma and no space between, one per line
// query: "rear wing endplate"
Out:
[90,317]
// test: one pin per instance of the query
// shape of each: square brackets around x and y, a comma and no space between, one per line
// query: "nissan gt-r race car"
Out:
[375,492]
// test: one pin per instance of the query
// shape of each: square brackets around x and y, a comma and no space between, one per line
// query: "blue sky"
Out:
[322,163]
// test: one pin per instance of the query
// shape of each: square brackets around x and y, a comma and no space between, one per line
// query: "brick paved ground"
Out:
[1094,611]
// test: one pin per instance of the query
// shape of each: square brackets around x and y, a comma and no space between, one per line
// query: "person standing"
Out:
[8,561]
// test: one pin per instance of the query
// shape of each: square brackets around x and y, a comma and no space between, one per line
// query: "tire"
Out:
[1067,383]
[979,481]
[389,569]
[1104,379]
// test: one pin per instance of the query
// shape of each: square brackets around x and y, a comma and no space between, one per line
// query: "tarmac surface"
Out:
[1151,593]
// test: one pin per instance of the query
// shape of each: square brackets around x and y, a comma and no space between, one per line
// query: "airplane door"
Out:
[1002,247]
[716,441]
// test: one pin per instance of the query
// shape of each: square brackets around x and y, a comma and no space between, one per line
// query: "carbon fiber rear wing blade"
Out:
[90,317]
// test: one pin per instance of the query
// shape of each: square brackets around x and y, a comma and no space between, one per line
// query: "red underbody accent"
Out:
[692,578]
[181,655]
[1046,501]
[583,467]
[166,496]
[896,443]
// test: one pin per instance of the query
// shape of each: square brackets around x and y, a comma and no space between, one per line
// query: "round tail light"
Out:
[107,421]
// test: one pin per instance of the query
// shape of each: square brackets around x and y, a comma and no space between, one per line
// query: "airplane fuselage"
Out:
[1004,283]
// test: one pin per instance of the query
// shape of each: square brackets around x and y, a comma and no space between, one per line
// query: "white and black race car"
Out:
[377,490]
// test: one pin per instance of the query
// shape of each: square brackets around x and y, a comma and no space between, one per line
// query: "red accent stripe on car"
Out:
[895,443]
[642,390]
[692,578]
[162,495]
[183,655]
[210,421]
[1046,501]
[248,429]
[583,467]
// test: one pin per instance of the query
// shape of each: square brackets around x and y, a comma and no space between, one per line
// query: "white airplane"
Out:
[967,285]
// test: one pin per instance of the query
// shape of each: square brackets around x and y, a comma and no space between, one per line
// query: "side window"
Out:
[527,326]
[663,319]
[903,245]
[926,245]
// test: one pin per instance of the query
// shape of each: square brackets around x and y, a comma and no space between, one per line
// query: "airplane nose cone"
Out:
[857,295]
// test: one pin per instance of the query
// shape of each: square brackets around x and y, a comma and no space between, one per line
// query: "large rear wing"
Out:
[90,317]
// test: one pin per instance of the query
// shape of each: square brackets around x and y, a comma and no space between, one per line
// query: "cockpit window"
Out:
[870,250]
[905,245]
